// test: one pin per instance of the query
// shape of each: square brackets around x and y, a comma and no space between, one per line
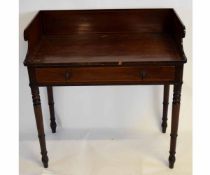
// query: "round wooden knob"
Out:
[67,75]
[143,74]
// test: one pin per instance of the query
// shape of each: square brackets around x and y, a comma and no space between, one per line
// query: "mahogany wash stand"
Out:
[105,47]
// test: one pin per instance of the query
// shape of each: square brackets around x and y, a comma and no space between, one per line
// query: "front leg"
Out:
[39,123]
[174,122]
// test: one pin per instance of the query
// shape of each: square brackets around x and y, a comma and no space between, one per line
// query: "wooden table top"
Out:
[113,49]
[105,37]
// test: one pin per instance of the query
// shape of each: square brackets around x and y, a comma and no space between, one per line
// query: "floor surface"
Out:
[143,154]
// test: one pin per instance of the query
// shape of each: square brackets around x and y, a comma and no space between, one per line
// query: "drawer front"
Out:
[105,75]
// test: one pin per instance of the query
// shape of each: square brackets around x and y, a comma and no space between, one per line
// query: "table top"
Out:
[81,39]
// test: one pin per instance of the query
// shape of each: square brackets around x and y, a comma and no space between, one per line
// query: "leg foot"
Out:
[45,160]
[53,127]
[164,129]
[44,152]
[171,160]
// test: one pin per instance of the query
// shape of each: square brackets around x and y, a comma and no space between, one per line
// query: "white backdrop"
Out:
[103,107]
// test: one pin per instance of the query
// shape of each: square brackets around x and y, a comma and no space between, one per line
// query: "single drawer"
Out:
[105,75]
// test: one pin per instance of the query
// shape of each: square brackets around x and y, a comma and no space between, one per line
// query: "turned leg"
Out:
[174,122]
[39,123]
[165,107]
[51,107]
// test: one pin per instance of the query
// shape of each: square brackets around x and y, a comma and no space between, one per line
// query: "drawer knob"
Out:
[143,74]
[67,75]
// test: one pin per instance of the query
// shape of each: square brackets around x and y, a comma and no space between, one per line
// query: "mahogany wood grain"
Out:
[105,47]
[33,33]
[113,49]
[99,21]
[108,75]
[128,37]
